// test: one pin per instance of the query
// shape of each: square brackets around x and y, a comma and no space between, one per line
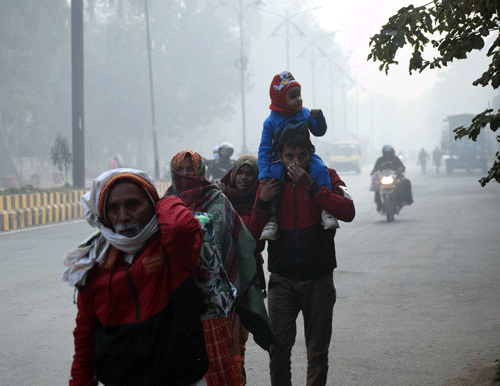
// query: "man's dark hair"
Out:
[296,136]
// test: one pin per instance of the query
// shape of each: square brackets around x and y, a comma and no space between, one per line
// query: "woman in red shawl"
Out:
[240,187]
[236,247]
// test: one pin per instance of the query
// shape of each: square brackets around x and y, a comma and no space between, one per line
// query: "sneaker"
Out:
[328,221]
[270,231]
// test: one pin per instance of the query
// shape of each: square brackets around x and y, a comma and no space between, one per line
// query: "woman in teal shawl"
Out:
[234,242]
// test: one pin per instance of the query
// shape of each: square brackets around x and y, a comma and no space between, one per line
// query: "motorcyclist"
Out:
[389,160]
[223,163]
[215,152]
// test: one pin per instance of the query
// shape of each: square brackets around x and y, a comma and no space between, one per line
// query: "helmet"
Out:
[226,146]
[215,152]
[387,150]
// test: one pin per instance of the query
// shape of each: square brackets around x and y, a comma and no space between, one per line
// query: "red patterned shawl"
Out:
[236,246]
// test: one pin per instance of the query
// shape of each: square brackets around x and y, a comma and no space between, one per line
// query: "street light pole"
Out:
[288,38]
[77,93]
[312,60]
[240,11]
[344,77]
[152,97]
[243,63]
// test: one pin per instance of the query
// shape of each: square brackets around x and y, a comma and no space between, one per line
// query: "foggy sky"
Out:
[358,101]
[399,109]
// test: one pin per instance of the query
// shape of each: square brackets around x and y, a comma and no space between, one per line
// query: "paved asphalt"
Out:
[418,299]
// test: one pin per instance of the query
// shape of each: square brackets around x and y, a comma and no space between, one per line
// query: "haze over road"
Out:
[418,299]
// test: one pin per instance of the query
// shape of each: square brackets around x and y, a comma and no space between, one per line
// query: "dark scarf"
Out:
[195,191]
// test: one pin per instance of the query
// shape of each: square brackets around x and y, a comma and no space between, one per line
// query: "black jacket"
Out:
[167,349]
[388,162]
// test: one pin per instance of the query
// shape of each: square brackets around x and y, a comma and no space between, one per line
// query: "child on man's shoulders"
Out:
[287,113]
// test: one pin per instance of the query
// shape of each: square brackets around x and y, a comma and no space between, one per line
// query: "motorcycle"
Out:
[390,190]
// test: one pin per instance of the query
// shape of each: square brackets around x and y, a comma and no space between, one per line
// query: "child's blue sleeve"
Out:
[319,172]
[317,126]
[264,158]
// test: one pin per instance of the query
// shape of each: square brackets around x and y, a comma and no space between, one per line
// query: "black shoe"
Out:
[380,208]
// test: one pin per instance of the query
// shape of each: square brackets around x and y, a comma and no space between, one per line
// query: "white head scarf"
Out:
[93,250]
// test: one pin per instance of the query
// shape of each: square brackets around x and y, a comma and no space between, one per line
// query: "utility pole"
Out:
[332,104]
[312,47]
[288,37]
[152,97]
[243,66]
[358,85]
[344,77]
[241,63]
[77,94]
[372,126]
[344,96]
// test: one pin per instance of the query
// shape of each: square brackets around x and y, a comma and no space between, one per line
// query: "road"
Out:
[418,299]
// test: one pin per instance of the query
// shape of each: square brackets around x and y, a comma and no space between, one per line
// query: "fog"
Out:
[197,83]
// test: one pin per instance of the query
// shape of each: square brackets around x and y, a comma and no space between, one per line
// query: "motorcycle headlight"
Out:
[387,180]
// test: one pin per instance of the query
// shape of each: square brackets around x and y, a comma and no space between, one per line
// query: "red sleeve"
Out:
[82,370]
[260,215]
[336,201]
[181,232]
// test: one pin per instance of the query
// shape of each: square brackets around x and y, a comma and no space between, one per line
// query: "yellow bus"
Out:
[345,156]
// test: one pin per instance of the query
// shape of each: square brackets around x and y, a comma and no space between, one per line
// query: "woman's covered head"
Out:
[188,163]
[245,172]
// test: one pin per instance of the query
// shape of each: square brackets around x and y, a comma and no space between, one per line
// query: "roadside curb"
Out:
[26,210]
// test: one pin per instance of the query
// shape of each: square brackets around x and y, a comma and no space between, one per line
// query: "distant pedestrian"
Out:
[423,157]
[436,158]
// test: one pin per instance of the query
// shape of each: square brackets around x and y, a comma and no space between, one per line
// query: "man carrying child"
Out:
[302,258]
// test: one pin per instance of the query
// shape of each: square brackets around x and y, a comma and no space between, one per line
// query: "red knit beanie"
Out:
[279,86]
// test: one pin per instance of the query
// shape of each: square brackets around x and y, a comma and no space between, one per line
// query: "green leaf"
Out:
[461,25]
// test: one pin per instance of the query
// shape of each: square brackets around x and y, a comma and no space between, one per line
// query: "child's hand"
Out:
[316,113]
[270,189]
[264,180]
